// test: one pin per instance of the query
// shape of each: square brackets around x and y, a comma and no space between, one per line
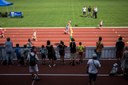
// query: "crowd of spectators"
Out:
[76,55]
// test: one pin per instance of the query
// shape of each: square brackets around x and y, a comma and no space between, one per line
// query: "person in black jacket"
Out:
[119,48]
[73,51]
[51,54]
[61,48]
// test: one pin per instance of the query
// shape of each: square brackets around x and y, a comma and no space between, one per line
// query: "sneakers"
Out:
[54,65]
[49,65]
[36,78]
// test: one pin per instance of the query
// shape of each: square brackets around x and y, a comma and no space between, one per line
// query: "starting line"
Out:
[77,75]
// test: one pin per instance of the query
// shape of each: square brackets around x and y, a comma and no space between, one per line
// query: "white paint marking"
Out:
[77,75]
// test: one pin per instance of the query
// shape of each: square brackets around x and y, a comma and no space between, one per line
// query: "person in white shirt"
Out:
[95,10]
[33,66]
[92,69]
[84,11]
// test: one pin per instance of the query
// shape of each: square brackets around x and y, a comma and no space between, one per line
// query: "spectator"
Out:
[84,11]
[43,52]
[24,53]
[51,54]
[99,47]
[80,50]
[33,64]
[9,51]
[18,54]
[119,48]
[62,47]
[124,62]
[89,11]
[29,44]
[73,51]
[92,69]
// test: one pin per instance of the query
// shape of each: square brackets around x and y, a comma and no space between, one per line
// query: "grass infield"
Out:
[56,13]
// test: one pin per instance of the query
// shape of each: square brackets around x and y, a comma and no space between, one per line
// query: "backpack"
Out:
[43,51]
[33,60]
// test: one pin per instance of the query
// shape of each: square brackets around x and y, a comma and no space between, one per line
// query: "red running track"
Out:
[88,36]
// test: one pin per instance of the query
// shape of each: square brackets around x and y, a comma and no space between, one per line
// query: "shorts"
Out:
[92,76]
[43,56]
[81,53]
[73,55]
[33,68]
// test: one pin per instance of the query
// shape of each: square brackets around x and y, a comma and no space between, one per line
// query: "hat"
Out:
[115,64]
[94,56]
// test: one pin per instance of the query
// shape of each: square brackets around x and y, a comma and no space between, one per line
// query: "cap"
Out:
[94,56]
[115,64]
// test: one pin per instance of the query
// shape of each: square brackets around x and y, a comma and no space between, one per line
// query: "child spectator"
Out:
[80,50]
[24,54]
[43,52]
[18,54]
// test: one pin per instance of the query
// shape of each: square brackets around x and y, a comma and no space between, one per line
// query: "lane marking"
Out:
[59,27]
[77,75]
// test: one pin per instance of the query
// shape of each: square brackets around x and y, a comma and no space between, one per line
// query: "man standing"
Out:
[84,11]
[92,69]
[95,12]
[89,11]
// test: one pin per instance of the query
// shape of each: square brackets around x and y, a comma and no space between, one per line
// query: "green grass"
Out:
[56,13]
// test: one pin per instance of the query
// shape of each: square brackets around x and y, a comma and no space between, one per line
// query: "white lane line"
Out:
[77,75]
[60,27]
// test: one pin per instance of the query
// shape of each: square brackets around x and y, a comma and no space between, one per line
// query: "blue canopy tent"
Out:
[4,3]
[11,14]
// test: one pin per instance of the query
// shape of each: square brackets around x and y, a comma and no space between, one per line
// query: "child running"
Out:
[2,33]
[101,24]
[67,29]
[34,37]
